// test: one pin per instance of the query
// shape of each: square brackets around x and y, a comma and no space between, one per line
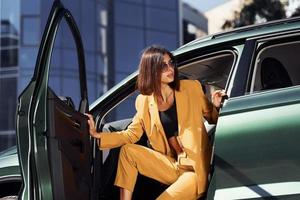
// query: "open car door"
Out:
[53,141]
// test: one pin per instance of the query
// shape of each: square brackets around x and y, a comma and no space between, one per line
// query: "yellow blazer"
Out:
[192,105]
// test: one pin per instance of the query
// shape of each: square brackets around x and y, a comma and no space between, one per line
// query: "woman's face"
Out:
[167,75]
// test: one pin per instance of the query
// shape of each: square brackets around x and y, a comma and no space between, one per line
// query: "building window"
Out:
[8,44]
[31,31]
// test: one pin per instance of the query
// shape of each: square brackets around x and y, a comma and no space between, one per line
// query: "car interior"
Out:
[213,73]
[276,66]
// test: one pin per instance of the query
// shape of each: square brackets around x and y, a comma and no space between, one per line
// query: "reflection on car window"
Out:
[276,66]
[64,78]
[212,71]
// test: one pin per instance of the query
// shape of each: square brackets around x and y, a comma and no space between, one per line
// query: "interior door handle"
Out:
[75,124]
[223,99]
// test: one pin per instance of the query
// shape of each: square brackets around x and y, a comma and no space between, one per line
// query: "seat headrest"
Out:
[274,74]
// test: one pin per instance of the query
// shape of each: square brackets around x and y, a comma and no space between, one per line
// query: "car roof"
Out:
[241,34]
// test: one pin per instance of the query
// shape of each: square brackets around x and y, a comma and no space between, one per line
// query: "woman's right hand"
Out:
[92,127]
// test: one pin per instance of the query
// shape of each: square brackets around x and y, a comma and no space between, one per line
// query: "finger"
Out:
[216,91]
[89,115]
[220,93]
[90,120]
[90,123]
[217,94]
[224,94]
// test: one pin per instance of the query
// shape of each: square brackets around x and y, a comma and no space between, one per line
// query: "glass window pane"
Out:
[88,25]
[124,110]
[92,93]
[129,14]
[9,57]
[9,33]
[28,57]
[55,82]
[56,61]
[66,36]
[8,101]
[170,41]
[24,79]
[133,1]
[71,88]
[31,7]
[64,71]
[277,66]
[129,44]
[90,62]
[161,19]
[31,31]
[171,4]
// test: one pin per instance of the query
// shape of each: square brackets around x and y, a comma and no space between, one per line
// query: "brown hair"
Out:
[150,70]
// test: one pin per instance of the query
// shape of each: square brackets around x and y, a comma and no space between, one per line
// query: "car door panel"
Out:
[53,140]
[256,142]
[254,147]
[69,149]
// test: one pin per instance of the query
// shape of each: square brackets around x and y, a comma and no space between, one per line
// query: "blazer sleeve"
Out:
[209,111]
[131,135]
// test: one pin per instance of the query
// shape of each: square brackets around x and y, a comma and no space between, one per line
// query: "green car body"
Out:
[256,140]
[10,181]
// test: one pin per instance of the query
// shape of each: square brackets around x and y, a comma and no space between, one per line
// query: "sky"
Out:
[204,5]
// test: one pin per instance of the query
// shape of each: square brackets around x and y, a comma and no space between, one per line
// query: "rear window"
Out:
[211,71]
[277,66]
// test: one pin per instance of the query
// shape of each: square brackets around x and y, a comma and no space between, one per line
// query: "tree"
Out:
[296,13]
[256,11]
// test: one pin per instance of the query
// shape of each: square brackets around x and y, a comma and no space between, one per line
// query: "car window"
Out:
[276,66]
[212,71]
[64,77]
[123,110]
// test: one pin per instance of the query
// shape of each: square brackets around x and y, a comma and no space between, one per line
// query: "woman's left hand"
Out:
[92,126]
[216,97]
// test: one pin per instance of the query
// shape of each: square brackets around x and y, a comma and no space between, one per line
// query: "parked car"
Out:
[256,139]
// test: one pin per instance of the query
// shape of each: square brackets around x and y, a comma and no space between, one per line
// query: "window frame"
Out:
[261,44]
[233,50]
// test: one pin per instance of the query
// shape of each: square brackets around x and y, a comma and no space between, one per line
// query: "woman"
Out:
[171,113]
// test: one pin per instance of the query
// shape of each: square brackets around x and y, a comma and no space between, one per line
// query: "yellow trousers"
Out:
[135,158]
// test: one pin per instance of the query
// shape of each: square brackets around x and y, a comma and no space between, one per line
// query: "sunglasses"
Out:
[167,66]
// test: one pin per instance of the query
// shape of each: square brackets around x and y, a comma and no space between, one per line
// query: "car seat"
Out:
[274,75]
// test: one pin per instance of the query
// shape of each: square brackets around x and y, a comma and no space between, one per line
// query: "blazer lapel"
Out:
[182,108]
[155,120]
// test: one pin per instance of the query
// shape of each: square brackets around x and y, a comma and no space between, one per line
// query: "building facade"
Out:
[194,23]
[218,15]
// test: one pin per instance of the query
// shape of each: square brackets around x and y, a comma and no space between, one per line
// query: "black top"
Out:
[169,121]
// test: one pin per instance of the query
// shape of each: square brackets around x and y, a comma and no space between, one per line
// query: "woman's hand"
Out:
[92,126]
[216,97]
